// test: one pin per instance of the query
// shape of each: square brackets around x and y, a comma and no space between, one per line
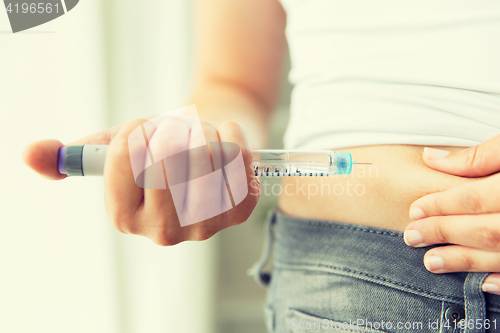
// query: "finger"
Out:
[474,198]
[240,186]
[98,138]
[479,231]
[456,258]
[41,156]
[170,138]
[123,198]
[492,284]
[476,161]
[206,193]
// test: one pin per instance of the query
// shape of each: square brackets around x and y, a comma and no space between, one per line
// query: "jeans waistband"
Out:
[369,253]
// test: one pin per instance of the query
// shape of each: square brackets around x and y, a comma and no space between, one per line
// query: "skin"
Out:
[378,195]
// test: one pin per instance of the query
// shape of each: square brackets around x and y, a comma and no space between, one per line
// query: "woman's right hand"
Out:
[151,212]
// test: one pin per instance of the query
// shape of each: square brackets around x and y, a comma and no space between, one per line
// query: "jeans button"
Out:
[265,278]
[455,313]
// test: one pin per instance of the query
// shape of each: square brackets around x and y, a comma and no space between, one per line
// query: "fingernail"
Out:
[413,238]
[435,154]
[417,213]
[434,263]
[491,288]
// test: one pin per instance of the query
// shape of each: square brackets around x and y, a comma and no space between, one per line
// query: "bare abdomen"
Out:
[379,195]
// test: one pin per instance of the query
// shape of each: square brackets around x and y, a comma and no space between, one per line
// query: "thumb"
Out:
[475,161]
[41,156]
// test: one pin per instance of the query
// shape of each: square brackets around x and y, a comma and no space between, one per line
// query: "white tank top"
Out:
[424,72]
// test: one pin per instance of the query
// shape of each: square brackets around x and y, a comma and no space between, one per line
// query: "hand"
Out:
[467,216]
[151,212]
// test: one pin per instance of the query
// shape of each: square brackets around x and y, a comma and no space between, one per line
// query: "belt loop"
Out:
[257,270]
[475,303]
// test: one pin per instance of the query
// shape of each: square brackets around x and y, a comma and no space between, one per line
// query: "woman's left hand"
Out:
[467,216]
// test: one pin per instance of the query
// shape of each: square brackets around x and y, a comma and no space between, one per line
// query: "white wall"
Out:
[62,266]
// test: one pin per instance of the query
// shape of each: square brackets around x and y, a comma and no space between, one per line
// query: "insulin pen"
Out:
[88,160]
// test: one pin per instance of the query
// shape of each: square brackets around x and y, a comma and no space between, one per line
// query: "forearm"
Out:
[223,101]
[239,50]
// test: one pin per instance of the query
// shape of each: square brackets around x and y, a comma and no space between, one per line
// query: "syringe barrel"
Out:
[301,162]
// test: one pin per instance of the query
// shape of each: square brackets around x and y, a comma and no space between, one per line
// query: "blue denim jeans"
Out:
[338,277]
